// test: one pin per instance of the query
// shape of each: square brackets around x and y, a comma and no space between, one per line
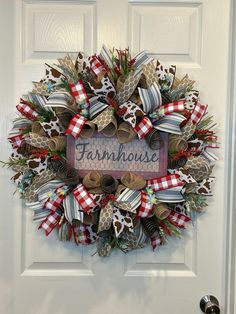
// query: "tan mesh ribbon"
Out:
[149,71]
[54,143]
[120,82]
[188,130]
[105,219]
[198,168]
[111,129]
[40,88]
[104,118]
[133,181]
[183,84]
[67,63]
[128,88]
[30,191]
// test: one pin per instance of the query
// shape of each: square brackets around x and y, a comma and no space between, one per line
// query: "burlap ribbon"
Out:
[181,87]
[154,139]
[161,210]
[64,172]
[92,179]
[108,183]
[88,130]
[54,143]
[125,133]
[177,143]
[133,181]
[41,88]
[37,128]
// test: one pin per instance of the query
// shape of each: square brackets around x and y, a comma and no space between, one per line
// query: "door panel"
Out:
[48,276]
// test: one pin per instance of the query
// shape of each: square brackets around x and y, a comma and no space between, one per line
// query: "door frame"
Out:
[229,273]
[229,288]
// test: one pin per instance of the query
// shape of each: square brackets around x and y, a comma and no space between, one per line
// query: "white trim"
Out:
[229,292]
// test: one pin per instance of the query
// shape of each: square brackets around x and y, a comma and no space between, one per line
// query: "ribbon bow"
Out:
[117,210]
[154,193]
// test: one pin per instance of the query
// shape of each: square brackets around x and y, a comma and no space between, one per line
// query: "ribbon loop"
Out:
[84,198]
[165,182]
[76,125]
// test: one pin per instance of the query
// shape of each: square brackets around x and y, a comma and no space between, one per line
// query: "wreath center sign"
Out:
[112,157]
[113,149]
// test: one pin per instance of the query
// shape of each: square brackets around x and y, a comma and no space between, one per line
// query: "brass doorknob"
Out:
[209,305]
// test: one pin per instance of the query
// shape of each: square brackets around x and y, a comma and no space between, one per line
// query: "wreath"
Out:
[120,96]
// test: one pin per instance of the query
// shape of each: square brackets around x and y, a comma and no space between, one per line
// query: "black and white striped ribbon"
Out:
[40,213]
[172,195]
[131,196]
[47,189]
[170,123]
[96,106]
[142,59]
[151,98]
[37,99]
[106,56]
[72,209]
[60,99]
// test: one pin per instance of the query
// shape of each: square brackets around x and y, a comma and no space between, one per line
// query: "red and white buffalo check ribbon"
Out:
[146,208]
[50,222]
[54,201]
[97,66]
[165,182]
[198,112]
[143,127]
[175,106]
[27,110]
[178,219]
[16,140]
[79,92]
[76,125]
[84,198]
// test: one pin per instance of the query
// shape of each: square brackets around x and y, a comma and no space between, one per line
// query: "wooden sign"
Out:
[110,157]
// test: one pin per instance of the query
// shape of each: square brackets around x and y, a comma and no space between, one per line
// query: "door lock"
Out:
[209,305]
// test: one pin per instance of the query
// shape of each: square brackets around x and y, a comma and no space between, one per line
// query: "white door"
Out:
[42,275]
